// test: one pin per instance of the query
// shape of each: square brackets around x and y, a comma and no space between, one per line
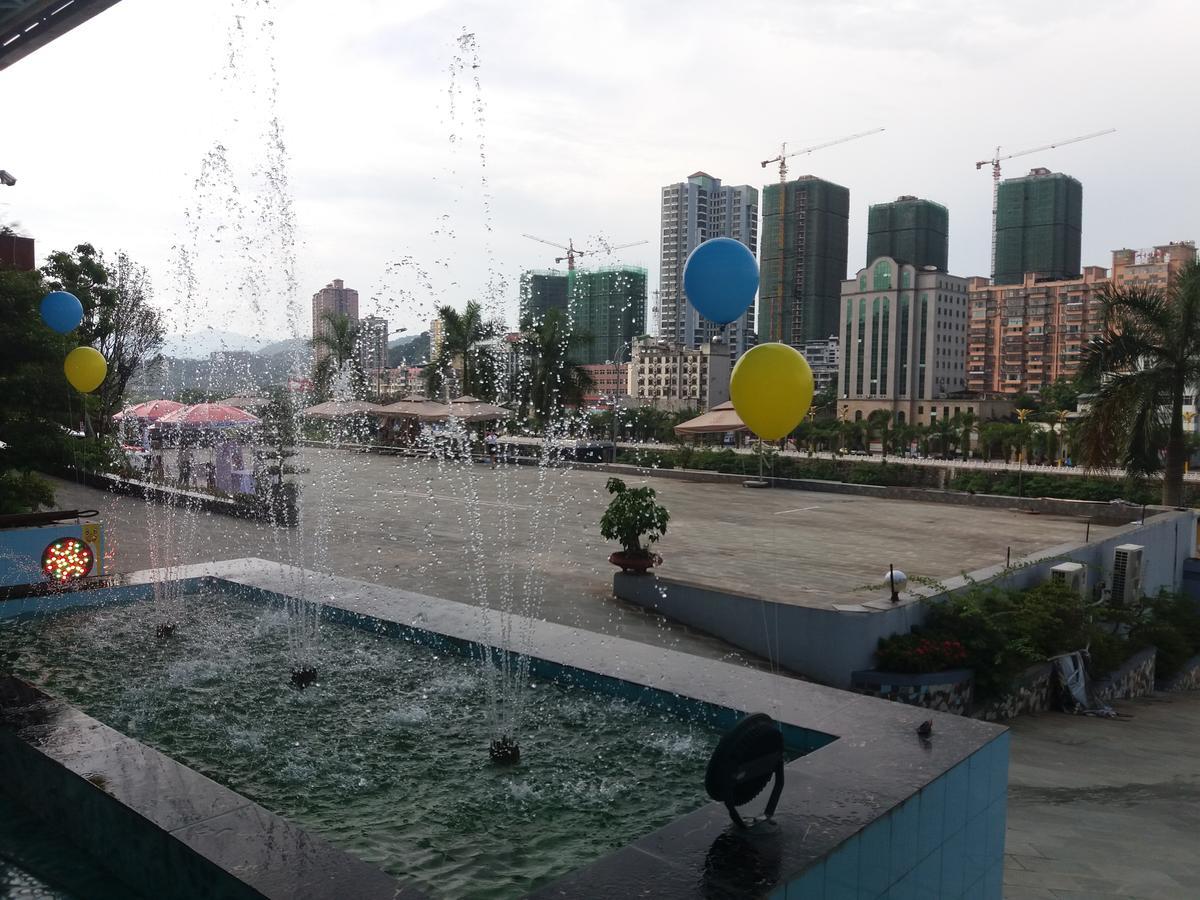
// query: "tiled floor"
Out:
[1101,809]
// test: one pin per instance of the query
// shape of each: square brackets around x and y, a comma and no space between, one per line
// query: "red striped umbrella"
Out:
[151,409]
[209,415]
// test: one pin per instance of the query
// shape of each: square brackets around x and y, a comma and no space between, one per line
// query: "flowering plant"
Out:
[919,653]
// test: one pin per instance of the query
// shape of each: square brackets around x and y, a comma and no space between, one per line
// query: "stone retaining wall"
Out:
[1133,679]
[1186,679]
[1032,692]
[948,691]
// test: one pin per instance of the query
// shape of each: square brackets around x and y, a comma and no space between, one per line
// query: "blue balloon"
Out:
[720,278]
[62,311]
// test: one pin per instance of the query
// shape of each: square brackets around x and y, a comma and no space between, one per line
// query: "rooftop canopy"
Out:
[26,25]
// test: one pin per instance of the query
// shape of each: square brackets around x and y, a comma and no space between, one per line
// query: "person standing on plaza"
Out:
[492,443]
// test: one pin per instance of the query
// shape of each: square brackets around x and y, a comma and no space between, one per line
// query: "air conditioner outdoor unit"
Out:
[1127,573]
[1072,574]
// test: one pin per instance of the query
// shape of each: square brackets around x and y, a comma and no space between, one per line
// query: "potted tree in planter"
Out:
[633,514]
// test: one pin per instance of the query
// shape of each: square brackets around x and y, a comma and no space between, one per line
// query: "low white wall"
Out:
[827,644]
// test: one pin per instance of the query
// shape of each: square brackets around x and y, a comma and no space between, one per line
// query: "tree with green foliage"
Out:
[554,380]
[119,321]
[878,421]
[966,423]
[633,514]
[1145,362]
[339,339]
[465,362]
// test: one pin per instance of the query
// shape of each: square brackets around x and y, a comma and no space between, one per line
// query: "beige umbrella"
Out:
[720,418]
[469,409]
[340,409]
[250,404]
[414,406]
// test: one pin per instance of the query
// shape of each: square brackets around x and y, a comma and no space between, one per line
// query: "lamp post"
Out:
[1021,416]
[616,399]
[1062,436]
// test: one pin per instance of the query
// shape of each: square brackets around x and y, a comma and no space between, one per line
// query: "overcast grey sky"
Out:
[587,109]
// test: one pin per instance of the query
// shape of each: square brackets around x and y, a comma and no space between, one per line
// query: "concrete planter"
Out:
[949,691]
[1186,679]
[1135,678]
[1032,692]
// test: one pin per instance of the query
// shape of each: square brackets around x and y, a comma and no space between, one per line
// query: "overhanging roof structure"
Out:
[26,25]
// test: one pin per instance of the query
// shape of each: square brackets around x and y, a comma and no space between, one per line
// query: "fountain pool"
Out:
[386,756]
[613,749]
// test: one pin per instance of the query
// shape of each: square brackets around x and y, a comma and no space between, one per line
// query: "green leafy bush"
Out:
[1170,622]
[22,492]
[632,514]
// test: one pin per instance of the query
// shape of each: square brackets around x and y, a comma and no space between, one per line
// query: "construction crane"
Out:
[784,156]
[572,253]
[782,159]
[996,159]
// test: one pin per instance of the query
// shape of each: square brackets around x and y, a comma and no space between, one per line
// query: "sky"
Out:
[248,152]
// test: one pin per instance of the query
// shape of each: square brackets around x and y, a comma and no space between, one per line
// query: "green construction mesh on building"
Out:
[802,260]
[909,230]
[1038,226]
[541,291]
[609,305]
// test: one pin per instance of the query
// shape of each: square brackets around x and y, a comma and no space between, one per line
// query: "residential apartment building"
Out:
[1039,219]
[803,259]
[610,382]
[373,343]
[904,341]
[666,372]
[1028,335]
[437,334]
[333,299]
[1153,266]
[1024,336]
[909,230]
[822,357]
[692,212]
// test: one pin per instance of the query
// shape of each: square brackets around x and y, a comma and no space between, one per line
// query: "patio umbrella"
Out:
[414,406]
[209,415]
[151,409]
[250,404]
[469,409]
[340,409]
[722,417]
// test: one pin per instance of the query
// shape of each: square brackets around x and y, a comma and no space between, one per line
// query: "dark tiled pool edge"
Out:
[158,826]
[870,808]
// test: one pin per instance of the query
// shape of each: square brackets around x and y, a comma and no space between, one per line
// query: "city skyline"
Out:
[361,211]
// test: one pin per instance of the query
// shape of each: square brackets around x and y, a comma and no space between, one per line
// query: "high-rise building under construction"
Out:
[911,231]
[802,259]
[608,305]
[541,291]
[1038,226]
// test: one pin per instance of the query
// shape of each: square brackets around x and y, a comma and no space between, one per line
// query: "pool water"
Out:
[386,756]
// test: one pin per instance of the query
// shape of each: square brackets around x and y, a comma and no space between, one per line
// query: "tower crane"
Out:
[572,253]
[784,156]
[782,159]
[996,159]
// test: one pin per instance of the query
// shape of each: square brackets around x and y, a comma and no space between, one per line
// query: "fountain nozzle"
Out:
[303,676]
[164,630]
[505,750]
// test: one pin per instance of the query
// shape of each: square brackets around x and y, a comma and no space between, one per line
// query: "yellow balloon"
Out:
[85,368]
[771,388]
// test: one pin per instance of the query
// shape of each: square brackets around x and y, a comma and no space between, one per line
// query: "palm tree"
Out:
[945,432]
[967,422]
[1145,361]
[339,340]
[461,356]
[877,423]
[555,380]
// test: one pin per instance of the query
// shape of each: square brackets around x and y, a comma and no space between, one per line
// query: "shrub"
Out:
[22,492]
[1170,622]
[631,515]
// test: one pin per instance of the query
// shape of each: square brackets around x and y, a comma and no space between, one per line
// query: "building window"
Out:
[905,281]
[883,276]
[922,340]
[884,335]
[875,347]
[862,345]
[903,342]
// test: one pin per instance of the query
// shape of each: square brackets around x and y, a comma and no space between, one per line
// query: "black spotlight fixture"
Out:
[505,751]
[304,676]
[746,759]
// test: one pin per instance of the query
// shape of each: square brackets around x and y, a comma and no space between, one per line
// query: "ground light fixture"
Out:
[746,758]
[66,559]
[895,581]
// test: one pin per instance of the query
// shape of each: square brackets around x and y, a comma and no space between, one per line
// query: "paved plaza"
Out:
[1101,809]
